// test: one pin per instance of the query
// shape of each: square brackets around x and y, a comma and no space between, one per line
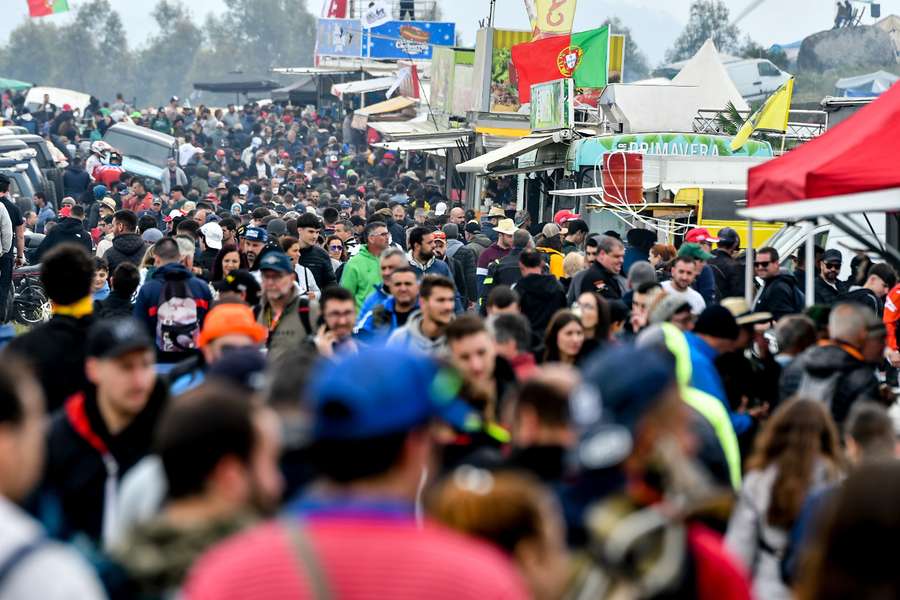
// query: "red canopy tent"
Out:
[859,155]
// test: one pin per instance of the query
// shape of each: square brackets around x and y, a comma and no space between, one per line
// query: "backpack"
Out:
[177,317]
[819,388]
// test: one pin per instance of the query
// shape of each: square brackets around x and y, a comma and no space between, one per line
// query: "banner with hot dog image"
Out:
[407,39]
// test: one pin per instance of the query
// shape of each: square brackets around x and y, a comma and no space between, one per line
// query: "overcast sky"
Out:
[654,27]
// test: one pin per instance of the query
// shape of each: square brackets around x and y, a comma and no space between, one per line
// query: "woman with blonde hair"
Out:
[797,451]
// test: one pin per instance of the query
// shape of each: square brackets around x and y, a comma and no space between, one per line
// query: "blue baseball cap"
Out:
[255,234]
[276,261]
[100,191]
[369,395]
[611,401]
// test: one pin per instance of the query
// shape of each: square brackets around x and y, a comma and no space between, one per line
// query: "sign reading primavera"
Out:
[588,152]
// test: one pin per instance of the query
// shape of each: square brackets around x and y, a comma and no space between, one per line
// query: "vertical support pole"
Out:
[748,266]
[809,284]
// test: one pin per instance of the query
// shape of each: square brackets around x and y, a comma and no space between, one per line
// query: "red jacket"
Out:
[135,204]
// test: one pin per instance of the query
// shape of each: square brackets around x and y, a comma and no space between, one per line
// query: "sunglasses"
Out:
[833,266]
[336,248]
[762,264]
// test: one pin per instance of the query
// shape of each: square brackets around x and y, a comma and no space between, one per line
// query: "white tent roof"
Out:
[879,81]
[705,70]
[656,108]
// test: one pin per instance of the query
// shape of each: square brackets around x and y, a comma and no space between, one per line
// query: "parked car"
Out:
[21,188]
[47,162]
[145,152]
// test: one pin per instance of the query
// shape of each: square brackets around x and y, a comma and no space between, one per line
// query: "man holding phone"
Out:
[338,315]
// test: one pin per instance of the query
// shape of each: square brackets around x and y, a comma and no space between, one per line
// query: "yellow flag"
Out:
[771,116]
[554,17]
[616,58]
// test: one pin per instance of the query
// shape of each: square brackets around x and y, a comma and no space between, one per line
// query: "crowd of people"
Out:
[293,367]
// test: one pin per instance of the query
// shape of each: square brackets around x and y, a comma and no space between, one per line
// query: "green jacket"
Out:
[361,274]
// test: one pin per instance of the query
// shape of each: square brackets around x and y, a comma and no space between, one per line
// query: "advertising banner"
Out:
[504,88]
[554,17]
[616,58]
[552,105]
[411,40]
[339,37]
[336,9]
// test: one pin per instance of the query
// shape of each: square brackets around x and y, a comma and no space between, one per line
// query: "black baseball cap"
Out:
[112,338]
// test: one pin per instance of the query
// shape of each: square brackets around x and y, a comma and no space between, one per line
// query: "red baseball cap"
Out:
[562,216]
[699,235]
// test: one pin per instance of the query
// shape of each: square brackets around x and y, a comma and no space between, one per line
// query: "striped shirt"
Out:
[362,556]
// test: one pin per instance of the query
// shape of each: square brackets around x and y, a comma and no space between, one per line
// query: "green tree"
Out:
[265,33]
[751,49]
[636,64]
[709,19]
[164,66]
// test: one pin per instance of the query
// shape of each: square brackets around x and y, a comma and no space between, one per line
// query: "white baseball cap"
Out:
[212,235]
[440,209]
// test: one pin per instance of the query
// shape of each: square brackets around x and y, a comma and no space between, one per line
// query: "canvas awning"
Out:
[14,84]
[388,106]
[438,141]
[304,87]
[237,83]
[484,164]
[377,84]
[833,173]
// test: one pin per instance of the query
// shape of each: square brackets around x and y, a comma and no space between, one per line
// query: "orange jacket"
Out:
[892,316]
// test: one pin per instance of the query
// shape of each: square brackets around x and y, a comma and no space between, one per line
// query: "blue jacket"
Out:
[378,296]
[436,267]
[147,302]
[376,325]
[706,379]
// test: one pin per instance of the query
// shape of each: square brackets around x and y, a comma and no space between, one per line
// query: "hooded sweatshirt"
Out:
[540,296]
[85,461]
[127,247]
[411,336]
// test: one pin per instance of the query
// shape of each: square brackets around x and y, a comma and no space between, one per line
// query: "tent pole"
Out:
[810,273]
[748,266]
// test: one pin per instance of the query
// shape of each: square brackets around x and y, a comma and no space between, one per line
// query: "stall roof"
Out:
[831,172]
[485,163]
[645,108]
[237,83]
[388,106]
[436,142]
[365,86]
[303,85]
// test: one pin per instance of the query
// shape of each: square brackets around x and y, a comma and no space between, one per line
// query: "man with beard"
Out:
[421,254]
[219,452]
[286,315]
[253,240]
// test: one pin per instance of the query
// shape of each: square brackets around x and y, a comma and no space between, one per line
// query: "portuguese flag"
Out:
[582,56]
[42,8]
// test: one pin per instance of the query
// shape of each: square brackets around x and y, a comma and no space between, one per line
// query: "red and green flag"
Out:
[584,57]
[42,8]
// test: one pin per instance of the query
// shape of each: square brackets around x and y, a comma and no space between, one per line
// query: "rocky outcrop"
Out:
[848,47]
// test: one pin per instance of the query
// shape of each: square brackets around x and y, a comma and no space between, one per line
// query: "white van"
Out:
[792,238]
[756,78]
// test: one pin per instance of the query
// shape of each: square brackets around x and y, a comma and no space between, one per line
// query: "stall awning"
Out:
[377,84]
[485,163]
[388,106]
[830,173]
[436,142]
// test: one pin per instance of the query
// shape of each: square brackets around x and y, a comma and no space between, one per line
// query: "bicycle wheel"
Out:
[31,304]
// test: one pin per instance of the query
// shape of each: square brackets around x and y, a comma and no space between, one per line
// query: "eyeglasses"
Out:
[337,248]
[833,266]
[762,264]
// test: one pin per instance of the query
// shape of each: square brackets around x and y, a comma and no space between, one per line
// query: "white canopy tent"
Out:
[706,71]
